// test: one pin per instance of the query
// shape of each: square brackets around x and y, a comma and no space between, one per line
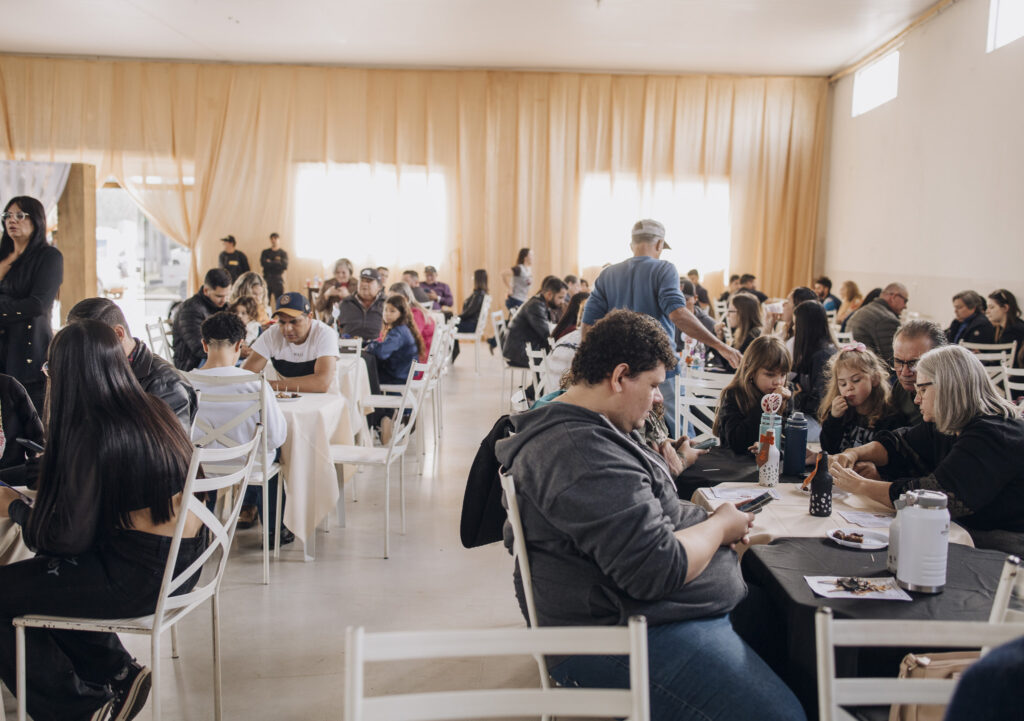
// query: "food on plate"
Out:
[285,395]
[857,585]
[851,537]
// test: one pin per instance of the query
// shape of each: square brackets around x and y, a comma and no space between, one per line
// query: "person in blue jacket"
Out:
[400,343]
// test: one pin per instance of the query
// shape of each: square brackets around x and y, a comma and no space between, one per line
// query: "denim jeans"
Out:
[700,670]
[991,690]
[68,671]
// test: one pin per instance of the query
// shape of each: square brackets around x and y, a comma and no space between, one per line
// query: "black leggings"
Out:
[68,671]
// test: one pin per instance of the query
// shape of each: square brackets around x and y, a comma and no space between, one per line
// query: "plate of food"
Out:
[858,538]
[286,396]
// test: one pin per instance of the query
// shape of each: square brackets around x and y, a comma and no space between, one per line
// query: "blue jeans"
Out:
[990,689]
[668,394]
[700,670]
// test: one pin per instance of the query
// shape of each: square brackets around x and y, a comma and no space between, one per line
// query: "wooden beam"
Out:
[76,236]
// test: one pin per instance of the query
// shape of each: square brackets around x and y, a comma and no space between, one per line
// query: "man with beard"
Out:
[532,323]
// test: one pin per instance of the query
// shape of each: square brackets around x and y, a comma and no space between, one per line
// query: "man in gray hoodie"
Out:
[608,537]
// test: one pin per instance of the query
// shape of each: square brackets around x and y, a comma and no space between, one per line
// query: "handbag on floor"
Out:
[947,665]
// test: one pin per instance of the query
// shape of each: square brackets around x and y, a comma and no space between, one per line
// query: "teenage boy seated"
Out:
[302,350]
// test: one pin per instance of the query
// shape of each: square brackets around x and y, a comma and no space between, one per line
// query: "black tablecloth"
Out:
[721,465]
[777,618]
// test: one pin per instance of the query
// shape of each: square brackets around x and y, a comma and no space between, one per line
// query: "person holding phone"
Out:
[20,421]
[608,537]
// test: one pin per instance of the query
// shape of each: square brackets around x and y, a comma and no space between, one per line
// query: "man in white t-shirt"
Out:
[222,337]
[303,351]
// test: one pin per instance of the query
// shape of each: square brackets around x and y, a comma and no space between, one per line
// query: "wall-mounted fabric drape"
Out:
[210,149]
[43,181]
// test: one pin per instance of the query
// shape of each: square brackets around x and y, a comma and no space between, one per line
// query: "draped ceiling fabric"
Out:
[43,181]
[211,149]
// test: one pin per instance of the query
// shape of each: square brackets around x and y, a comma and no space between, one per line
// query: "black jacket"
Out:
[234,263]
[188,339]
[20,420]
[470,315]
[483,513]
[159,379]
[359,321]
[976,329]
[529,326]
[1014,331]
[26,302]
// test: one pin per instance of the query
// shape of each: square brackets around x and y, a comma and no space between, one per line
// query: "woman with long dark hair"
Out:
[1004,314]
[518,279]
[813,346]
[570,317]
[31,272]
[110,485]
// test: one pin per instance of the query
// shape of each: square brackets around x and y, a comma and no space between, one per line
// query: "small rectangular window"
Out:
[876,84]
[1005,22]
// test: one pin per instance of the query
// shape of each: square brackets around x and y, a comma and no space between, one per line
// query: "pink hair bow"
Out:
[854,346]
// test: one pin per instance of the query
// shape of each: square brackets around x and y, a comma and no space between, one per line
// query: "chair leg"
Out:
[19,663]
[387,509]
[154,664]
[476,354]
[217,677]
[174,641]
[265,493]
[401,486]
[278,515]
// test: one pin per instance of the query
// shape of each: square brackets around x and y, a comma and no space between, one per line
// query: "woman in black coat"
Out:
[31,272]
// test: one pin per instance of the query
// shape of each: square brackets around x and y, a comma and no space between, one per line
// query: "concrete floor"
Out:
[283,644]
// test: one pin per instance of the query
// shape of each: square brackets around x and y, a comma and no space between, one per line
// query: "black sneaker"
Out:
[130,692]
[286,537]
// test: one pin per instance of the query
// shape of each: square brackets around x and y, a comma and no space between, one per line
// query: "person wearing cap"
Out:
[647,284]
[302,350]
[233,260]
[436,291]
[361,315]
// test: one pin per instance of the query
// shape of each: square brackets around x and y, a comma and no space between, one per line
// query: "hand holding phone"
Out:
[754,505]
[705,444]
[30,444]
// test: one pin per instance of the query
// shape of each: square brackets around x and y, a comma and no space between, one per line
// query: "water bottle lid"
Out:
[796,416]
[927,499]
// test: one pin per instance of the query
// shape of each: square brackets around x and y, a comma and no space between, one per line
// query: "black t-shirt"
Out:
[273,262]
[234,263]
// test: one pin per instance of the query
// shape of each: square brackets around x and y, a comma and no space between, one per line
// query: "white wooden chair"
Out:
[476,337]
[996,357]
[404,418]
[159,335]
[721,307]
[536,360]
[632,703]
[522,559]
[170,609]
[698,391]
[249,391]
[1004,625]
[844,338]
[1014,381]
[350,345]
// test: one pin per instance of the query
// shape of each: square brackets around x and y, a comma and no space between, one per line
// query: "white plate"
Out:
[286,400]
[873,540]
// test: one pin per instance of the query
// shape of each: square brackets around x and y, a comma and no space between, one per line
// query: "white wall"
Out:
[929,188]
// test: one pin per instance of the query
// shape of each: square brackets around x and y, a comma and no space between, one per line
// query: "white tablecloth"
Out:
[315,421]
[790,515]
[354,384]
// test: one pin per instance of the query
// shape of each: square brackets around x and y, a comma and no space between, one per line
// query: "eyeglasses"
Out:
[19,216]
[910,365]
[900,295]
[46,368]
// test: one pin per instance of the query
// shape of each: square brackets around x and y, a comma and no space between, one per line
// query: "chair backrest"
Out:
[844,338]
[481,319]
[698,394]
[721,308]
[1010,581]
[508,485]
[220,532]
[245,393]
[993,353]
[1013,383]
[350,345]
[632,703]
[535,359]
[412,399]
[833,693]
[159,335]
[500,327]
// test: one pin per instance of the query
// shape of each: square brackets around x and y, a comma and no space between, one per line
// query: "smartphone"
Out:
[756,503]
[21,495]
[31,445]
[705,444]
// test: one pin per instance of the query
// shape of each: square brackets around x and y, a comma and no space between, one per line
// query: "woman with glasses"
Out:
[1004,315]
[109,493]
[31,272]
[969,447]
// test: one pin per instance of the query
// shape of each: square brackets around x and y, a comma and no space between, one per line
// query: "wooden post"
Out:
[76,236]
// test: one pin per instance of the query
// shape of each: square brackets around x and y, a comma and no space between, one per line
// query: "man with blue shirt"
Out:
[647,284]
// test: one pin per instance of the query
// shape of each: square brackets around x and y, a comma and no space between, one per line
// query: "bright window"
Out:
[371,214]
[1005,22]
[876,84]
[695,215]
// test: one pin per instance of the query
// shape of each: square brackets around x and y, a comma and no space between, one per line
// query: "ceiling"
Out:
[762,37]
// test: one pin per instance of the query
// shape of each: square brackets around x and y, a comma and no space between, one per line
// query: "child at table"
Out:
[856,406]
[763,370]
[247,310]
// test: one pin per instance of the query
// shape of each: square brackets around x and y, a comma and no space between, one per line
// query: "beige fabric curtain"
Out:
[211,149]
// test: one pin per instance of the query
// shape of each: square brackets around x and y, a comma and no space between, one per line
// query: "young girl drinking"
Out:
[763,370]
[856,406]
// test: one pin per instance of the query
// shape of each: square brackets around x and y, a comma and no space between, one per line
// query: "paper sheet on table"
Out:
[741,494]
[866,519]
[887,589]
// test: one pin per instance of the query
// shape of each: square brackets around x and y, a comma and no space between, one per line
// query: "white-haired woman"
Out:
[970,446]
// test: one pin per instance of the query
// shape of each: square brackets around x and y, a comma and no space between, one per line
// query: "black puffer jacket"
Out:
[188,339]
[160,380]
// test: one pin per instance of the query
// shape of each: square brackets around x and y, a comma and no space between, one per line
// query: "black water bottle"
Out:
[821,487]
